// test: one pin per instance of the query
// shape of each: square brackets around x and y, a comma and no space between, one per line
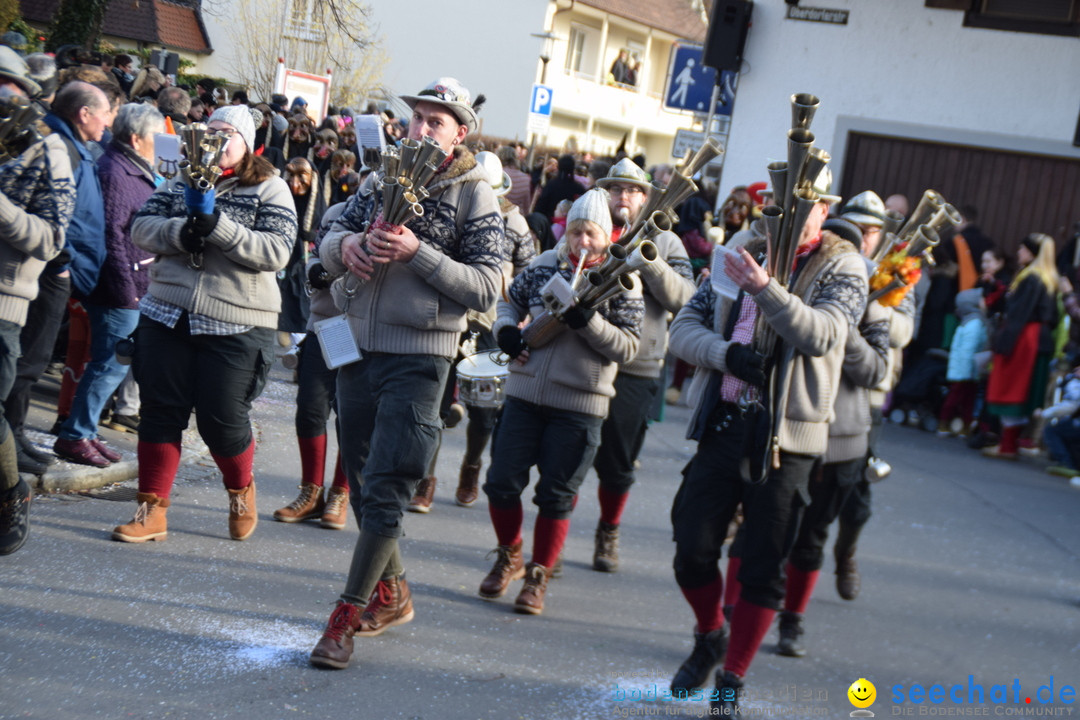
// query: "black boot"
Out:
[725,701]
[14,501]
[791,632]
[26,448]
[848,581]
[709,651]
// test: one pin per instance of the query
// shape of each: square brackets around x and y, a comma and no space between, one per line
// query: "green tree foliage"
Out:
[77,22]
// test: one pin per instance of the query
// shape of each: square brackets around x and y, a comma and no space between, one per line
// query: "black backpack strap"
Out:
[73,152]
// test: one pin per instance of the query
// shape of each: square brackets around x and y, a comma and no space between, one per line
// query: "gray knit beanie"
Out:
[239,116]
[592,206]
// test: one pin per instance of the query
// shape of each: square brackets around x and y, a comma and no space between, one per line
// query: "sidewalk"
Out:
[64,476]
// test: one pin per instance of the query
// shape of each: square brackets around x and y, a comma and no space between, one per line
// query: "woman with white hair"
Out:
[206,333]
[127,179]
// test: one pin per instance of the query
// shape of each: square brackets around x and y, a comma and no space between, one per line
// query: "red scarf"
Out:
[574,260]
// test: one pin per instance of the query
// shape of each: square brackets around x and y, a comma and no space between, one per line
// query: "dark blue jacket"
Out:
[86,234]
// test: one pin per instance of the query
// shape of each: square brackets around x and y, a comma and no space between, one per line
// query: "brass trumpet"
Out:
[18,126]
[405,173]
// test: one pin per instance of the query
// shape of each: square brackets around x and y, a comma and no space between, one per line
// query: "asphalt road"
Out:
[970,568]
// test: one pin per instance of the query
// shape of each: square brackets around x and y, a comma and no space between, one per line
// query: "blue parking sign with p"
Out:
[541,100]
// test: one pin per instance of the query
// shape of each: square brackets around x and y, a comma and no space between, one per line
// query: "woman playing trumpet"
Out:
[557,398]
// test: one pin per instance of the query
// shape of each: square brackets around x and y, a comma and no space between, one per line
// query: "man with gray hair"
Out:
[80,113]
[127,180]
[174,103]
[37,199]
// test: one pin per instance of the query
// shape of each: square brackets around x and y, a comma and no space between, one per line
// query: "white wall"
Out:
[483,43]
[900,68]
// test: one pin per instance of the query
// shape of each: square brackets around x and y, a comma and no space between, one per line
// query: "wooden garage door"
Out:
[1014,193]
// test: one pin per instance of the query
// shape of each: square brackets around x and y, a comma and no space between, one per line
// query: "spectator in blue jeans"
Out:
[127,180]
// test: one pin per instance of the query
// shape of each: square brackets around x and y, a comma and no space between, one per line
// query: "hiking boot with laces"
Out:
[531,598]
[468,488]
[425,493]
[149,522]
[509,566]
[14,517]
[309,504]
[242,517]
[606,548]
[709,651]
[390,605]
[848,581]
[791,632]
[335,647]
[336,511]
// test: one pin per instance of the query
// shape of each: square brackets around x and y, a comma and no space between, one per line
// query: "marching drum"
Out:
[481,379]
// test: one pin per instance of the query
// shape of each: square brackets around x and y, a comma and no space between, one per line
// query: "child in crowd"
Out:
[962,373]
[1062,432]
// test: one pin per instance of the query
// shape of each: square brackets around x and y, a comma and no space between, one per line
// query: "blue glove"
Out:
[199,202]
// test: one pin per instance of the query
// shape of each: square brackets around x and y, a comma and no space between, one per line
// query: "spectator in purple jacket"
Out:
[127,180]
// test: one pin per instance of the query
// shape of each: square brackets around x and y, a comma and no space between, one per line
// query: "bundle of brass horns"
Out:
[932,212]
[201,166]
[405,173]
[18,126]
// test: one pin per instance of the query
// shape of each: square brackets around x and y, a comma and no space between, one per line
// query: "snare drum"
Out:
[481,379]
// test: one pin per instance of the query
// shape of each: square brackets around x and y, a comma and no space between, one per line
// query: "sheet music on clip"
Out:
[721,283]
[336,341]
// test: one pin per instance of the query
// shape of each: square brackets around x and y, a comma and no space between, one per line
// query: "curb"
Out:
[70,477]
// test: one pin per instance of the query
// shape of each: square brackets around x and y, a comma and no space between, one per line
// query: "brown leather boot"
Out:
[468,488]
[336,512]
[848,581]
[425,493]
[335,647]
[148,523]
[390,605]
[606,548]
[242,516]
[309,504]
[531,598]
[509,566]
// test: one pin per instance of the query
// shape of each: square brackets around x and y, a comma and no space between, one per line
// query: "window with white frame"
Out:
[303,22]
[575,49]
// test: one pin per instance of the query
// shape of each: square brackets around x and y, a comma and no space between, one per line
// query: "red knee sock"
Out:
[340,480]
[611,505]
[733,587]
[1010,436]
[312,459]
[549,535]
[705,602]
[158,463]
[236,471]
[800,586]
[507,522]
[749,623]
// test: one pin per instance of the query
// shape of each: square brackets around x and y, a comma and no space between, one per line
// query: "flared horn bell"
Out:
[803,107]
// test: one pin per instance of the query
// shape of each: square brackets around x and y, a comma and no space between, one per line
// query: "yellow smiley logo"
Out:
[862,693]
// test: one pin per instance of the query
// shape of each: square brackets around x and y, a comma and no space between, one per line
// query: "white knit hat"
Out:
[239,116]
[592,206]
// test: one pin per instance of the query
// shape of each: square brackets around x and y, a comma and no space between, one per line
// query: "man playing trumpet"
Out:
[668,282]
[811,318]
[405,293]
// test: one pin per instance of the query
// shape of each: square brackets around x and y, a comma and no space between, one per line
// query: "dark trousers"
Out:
[623,431]
[773,511]
[37,340]
[218,376]
[960,402]
[711,490]
[388,414]
[829,488]
[560,443]
[315,391]
[9,358]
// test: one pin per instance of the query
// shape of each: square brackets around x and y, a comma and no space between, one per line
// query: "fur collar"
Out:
[463,168]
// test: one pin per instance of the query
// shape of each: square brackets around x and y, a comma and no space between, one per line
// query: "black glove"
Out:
[202,223]
[191,240]
[510,341]
[317,276]
[577,317]
[745,364]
